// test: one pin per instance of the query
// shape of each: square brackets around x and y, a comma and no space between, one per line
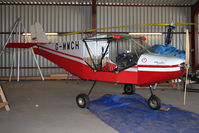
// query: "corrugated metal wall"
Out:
[116,16]
[76,18]
[53,19]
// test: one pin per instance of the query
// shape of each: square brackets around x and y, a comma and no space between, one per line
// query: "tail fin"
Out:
[38,37]
[37,33]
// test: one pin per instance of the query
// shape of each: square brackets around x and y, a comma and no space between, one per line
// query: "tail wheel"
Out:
[129,89]
[82,100]
[154,102]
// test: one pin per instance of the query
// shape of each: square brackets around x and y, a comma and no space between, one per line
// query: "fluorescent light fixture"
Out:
[48,34]
[152,33]
[51,34]
[26,34]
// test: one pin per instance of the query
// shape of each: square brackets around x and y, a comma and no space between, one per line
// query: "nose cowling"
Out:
[160,60]
[154,68]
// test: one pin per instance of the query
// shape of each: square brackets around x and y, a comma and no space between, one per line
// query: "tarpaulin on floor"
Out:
[131,114]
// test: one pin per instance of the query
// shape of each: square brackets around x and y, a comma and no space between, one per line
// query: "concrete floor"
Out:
[50,107]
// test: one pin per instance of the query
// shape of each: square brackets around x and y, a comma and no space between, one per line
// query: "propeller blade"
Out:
[186,64]
[182,24]
[187,48]
[123,26]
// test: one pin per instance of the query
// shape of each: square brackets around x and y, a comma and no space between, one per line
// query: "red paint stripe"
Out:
[146,78]
[21,45]
[62,53]
[72,66]
[134,67]
[30,68]
[85,72]
[159,66]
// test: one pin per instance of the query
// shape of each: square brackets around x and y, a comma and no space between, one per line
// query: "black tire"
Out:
[154,102]
[129,89]
[82,100]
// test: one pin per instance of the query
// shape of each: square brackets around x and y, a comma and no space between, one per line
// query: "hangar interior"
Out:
[71,16]
[49,106]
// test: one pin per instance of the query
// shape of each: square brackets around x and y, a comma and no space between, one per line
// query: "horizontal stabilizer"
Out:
[22,45]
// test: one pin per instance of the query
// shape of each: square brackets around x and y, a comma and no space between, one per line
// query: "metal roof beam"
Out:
[94,16]
[194,36]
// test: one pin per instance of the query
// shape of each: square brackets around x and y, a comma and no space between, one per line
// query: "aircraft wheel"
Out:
[82,100]
[129,89]
[154,102]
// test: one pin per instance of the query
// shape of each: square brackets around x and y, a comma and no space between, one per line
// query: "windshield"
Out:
[126,51]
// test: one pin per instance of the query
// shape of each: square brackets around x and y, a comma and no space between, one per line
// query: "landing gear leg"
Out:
[154,102]
[82,99]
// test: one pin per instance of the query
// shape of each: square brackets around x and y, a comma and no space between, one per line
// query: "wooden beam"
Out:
[196,7]
[94,16]
[194,36]
[5,103]
[51,77]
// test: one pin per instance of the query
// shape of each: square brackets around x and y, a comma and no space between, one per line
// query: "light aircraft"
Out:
[90,59]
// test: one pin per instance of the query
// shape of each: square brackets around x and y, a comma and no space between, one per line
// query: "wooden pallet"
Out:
[51,77]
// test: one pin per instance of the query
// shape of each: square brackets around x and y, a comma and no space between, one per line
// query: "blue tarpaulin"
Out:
[168,50]
[131,114]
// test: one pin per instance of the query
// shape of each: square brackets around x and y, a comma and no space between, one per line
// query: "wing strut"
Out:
[103,55]
[89,54]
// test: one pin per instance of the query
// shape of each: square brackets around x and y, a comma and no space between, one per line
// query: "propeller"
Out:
[122,26]
[186,64]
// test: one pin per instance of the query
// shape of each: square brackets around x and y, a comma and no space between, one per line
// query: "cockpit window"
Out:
[126,51]
[118,51]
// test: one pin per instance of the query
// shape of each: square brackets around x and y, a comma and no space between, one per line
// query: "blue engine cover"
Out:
[168,50]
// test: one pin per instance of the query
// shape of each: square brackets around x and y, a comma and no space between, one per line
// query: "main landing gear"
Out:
[129,89]
[82,99]
[154,102]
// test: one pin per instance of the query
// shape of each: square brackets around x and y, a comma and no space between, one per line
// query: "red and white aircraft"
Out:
[90,59]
